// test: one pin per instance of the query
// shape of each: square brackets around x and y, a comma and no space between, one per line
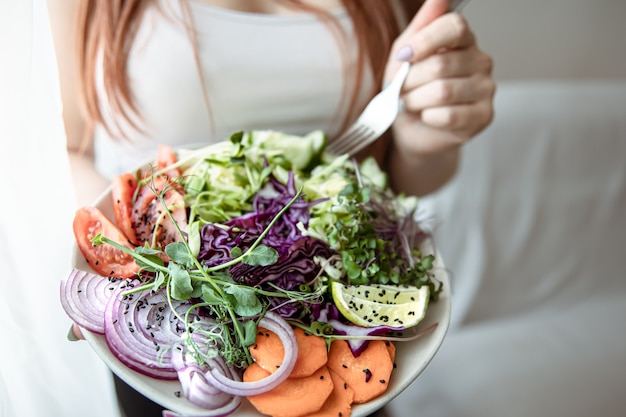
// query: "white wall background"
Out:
[531,39]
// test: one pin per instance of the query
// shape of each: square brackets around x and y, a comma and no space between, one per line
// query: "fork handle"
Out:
[398,79]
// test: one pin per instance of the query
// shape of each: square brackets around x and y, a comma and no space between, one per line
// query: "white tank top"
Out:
[262,71]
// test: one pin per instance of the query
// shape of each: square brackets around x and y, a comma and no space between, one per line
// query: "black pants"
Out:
[134,404]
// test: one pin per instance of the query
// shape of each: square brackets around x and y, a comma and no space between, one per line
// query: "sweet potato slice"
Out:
[339,402]
[268,352]
[367,374]
[294,397]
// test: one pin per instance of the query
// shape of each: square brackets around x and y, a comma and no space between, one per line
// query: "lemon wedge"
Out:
[381,305]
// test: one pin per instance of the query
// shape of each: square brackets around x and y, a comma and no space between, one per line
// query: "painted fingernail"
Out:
[405,53]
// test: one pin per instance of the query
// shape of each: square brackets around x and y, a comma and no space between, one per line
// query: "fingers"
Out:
[462,105]
[440,129]
[450,31]
[447,33]
[449,91]
[466,120]
[74,334]
[452,64]
[449,86]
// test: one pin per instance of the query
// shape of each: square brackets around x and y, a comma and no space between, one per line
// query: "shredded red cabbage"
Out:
[295,265]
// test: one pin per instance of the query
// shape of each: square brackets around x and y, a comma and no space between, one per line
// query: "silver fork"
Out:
[380,112]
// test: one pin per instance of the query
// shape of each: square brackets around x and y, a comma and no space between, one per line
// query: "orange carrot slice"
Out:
[268,352]
[294,397]
[367,374]
[339,401]
[391,347]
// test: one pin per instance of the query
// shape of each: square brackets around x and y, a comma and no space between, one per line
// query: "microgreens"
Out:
[372,239]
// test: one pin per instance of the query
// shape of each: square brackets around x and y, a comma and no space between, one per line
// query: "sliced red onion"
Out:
[194,385]
[276,324]
[84,296]
[140,330]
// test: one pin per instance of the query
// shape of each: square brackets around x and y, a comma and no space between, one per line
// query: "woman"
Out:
[193,71]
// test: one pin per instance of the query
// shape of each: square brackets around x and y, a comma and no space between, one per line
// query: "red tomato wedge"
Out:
[149,218]
[122,194]
[104,259]
[166,157]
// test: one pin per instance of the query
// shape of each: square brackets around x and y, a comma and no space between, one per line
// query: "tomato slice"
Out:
[149,218]
[104,259]
[122,194]
[166,157]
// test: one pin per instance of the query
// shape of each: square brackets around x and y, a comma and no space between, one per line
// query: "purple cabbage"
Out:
[295,265]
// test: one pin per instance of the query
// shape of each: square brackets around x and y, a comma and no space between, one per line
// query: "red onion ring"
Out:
[143,347]
[84,296]
[276,324]
[194,384]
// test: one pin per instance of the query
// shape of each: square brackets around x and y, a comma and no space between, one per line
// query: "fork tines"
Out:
[352,141]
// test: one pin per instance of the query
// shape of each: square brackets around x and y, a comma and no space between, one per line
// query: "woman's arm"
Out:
[64,16]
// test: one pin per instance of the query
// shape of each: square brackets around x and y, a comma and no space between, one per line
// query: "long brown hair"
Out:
[108,27]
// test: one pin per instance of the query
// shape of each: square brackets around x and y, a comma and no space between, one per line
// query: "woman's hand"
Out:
[448,94]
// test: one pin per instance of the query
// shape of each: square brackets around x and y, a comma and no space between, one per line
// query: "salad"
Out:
[255,268]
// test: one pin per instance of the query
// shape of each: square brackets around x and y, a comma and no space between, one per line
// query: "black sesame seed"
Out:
[368,374]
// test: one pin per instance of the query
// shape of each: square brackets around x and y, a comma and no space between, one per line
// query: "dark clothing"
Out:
[134,404]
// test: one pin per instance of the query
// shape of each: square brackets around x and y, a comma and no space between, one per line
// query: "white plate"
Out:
[411,357]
